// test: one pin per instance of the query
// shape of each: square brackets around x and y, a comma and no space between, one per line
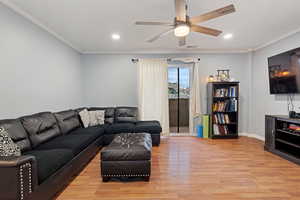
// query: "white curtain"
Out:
[153,91]
[195,106]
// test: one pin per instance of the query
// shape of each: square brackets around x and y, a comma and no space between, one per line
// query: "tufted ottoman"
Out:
[128,155]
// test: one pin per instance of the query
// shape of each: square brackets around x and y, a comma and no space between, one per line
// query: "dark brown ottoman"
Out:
[128,155]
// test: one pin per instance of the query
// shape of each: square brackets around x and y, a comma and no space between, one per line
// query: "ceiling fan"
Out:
[183,24]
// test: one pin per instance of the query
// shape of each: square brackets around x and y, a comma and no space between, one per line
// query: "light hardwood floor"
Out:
[188,168]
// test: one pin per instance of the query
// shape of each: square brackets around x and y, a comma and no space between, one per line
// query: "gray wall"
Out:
[111,80]
[262,102]
[38,72]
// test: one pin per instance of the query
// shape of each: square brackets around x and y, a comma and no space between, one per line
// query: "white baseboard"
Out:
[253,135]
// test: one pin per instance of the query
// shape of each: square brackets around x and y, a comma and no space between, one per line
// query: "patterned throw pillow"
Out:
[85,117]
[7,146]
[97,117]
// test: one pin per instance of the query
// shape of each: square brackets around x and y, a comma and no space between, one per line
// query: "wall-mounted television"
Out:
[284,72]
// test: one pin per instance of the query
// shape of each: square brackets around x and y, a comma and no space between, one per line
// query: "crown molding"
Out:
[37,22]
[28,16]
[181,51]
[277,39]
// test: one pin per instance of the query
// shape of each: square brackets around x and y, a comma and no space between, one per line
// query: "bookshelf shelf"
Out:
[222,106]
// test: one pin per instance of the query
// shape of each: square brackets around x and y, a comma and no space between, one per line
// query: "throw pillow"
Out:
[97,117]
[85,117]
[7,146]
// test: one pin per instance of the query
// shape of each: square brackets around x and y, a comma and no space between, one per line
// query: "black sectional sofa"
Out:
[55,147]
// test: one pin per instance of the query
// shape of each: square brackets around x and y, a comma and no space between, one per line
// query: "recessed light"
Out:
[228,36]
[115,36]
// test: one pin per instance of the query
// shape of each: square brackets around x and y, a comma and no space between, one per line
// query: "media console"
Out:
[280,139]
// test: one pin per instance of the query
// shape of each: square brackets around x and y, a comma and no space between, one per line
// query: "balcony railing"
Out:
[181,111]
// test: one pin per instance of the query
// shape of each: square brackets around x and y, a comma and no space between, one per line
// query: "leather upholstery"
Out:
[41,127]
[49,161]
[140,168]
[16,173]
[119,128]
[92,131]
[147,127]
[129,155]
[155,139]
[17,133]
[67,121]
[128,147]
[126,114]
[75,143]
[78,110]
[109,113]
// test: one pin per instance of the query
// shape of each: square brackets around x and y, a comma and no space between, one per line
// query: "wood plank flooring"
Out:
[188,168]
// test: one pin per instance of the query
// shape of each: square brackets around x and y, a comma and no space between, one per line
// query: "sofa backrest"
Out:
[109,113]
[41,127]
[67,121]
[126,114]
[17,133]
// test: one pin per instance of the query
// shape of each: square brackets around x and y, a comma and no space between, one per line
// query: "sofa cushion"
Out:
[41,127]
[119,128]
[109,113]
[67,121]
[93,131]
[17,133]
[147,127]
[49,161]
[126,114]
[76,143]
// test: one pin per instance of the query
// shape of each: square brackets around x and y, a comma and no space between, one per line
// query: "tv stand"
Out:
[280,140]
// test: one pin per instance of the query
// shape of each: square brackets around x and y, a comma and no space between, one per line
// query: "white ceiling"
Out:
[87,25]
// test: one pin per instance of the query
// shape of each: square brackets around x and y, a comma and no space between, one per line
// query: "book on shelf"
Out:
[226,92]
[229,105]
[220,129]
[205,121]
[221,118]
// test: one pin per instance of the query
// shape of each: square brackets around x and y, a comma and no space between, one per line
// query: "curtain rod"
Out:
[136,60]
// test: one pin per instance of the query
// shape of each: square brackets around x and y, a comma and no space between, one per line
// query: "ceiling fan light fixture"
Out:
[182,30]
[115,36]
[228,36]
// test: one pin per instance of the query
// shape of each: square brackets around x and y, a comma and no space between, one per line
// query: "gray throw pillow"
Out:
[97,117]
[7,145]
[85,117]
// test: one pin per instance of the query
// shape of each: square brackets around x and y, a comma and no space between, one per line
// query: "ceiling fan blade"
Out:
[192,47]
[180,10]
[182,41]
[205,30]
[213,14]
[160,35]
[155,23]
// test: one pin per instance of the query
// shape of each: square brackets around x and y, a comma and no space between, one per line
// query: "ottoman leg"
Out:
[105,179]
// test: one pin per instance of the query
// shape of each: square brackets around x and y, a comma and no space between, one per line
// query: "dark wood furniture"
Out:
[280,140]
[223,103]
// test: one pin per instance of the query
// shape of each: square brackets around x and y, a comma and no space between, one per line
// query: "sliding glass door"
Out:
[179,94]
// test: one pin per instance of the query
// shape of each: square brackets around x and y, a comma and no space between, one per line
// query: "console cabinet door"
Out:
[270,129]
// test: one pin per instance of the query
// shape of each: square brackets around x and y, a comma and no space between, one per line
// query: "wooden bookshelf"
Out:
[223,108]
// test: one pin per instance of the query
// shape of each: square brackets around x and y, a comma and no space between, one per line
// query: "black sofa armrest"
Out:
[18,177]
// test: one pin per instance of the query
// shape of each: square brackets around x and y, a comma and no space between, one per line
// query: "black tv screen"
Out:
[284,72]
